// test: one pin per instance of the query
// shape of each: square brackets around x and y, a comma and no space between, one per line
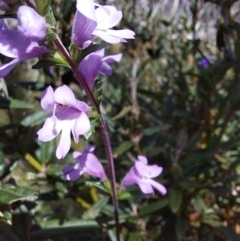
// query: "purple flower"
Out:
[68,115]
[205,62]
[4,4]
[86,162]
[142,174]
[22,44]
[90,22]
[95,63]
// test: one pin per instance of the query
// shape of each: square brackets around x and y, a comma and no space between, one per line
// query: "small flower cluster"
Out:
[68,115]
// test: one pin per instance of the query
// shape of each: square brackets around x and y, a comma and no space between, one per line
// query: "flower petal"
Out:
[158,186]
[145,187]
[65,141]
[89,68]
[76,154]
[82,106]
[34,50]
[106,36]
[6,68]
[89,149]
[131,177]
[49,130]
[123,33]
[82,29]
[107,17]
[23,48]
[81,126]
[70,173]
[94,167]
[12,48]
[148,171]
[112,58]
[143,159]
[87,8]
[31,24]
[63,95]
[105,67]
[47,101]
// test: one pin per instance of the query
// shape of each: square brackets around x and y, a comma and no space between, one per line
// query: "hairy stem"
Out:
[103,129]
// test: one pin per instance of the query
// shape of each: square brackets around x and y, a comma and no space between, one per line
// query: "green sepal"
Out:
[79,54]
[43,6]
[49,37]
[91,49]
[51,59]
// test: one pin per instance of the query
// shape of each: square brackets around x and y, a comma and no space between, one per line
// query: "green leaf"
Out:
[54,170]
[79,223]
[124,195]
[175,200]
[10,194]
[122,113]
[46,63]
[212,220]
[20,104]
[36,118]
[153,207]
[14,104]
[46,151]
[94,211]
[151,131]
[30,85]
[200,156]
[98,185]
[112,235]
[123,147]
[67,230]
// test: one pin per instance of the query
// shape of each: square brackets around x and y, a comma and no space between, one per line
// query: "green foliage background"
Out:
[159,102]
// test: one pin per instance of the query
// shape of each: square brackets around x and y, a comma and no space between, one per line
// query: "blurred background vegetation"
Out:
[174,97]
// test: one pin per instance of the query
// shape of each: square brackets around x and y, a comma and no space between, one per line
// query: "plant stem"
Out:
[103,127]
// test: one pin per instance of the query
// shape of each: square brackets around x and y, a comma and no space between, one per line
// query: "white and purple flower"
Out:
[90,22]
[86,162]
[142,174]
[68,115]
